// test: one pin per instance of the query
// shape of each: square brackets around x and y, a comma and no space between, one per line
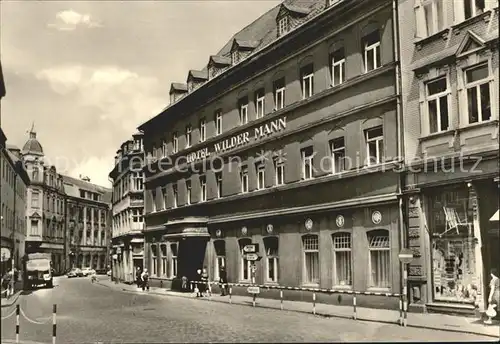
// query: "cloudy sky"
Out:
[89,73]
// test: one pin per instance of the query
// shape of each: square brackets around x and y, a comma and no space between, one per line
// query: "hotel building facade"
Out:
[289,138]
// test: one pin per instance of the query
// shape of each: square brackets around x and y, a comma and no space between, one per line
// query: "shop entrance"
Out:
[191,256]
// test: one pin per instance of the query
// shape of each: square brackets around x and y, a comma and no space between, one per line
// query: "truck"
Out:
[38,270]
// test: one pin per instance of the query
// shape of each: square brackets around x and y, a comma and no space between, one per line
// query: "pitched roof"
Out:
[72,187]
[177,86]
[297,9]
[198,74]
[220,60]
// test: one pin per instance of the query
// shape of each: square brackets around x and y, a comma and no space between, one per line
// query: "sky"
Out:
[87,74]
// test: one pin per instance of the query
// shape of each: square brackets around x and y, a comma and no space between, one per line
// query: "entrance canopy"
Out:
[190,232]
[495,217]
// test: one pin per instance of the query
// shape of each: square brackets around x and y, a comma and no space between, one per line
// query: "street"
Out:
[89,312]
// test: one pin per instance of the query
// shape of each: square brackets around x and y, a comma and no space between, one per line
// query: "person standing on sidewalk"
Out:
[204,279]
[223,281]
[138,274]
[494,297]
[145,280]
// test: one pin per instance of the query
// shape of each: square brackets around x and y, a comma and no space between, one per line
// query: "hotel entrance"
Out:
[191,256]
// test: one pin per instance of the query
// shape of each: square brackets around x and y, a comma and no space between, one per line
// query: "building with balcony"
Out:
[127,210]
[449,57]
[288,138]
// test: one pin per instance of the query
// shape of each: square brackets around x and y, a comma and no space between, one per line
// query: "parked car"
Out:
[88,271]
[75,272]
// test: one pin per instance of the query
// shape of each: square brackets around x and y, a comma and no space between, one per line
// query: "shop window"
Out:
[245,265]
[163,250]
[477,83]
[220,257]
[154,260]
[311,259]
[271,245]
[379,259]
[371,47]
[342,259]
[174,249]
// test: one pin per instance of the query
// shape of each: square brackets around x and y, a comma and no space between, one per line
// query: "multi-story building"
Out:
[449,56]
[289,138]
[87,222]
[127,210]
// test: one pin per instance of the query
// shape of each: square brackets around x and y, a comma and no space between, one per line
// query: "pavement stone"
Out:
[441,322]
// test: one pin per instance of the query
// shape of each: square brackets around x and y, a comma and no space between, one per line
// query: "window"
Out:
[243,110]
[338,67]
[434,16]
[165,198]
[337,147]
[282,26]
[311,259]
[371,44]
[176,195]
[203,189]
[34,227]
[138,181]
[307,163]
[244,179]
[35,174]
[307,74]
[473,8]
[279,94]
[203,130]
[164,151]
[173,261]
[246,265]
[164,260]
[437,105]
[175,142]
[35,199]
[478,93]
[218,122]
[220,257]
[379,262]
[218,180]
[260,96]
[279,171]
[374,145]
[153,200]
[261,170]
[271,245]
[154,260]
[137,215]
[342,269]
[188,192]
[235,57]
[188,136]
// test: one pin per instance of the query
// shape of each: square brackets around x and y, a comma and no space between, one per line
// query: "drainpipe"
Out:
[13,255]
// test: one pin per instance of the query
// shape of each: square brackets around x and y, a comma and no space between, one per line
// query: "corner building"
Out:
[289,138]
[449,54]
[128,210]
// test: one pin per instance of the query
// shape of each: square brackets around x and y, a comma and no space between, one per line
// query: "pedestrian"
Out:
[6,283]
[223,281]
[198,285]
[494,296]
[204,279]
[145,280]
[138,273]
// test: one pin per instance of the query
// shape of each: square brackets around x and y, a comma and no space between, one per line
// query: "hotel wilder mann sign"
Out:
[239,140]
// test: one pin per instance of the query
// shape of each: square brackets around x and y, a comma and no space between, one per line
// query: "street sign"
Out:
[405,256]
[252,248]
[253,290]
[252,257]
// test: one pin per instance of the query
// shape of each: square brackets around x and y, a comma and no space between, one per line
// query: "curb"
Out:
[13,299]
[310,313]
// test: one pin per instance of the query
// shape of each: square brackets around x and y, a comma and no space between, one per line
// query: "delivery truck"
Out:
[38,270]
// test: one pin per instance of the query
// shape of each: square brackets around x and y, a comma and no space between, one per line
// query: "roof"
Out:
[19,165]
[138,133]
[246,44]
[32,146]
[177,86]
[296,9]
[11,147]
[198,74]
[72,187]
[2,83]
[220,60]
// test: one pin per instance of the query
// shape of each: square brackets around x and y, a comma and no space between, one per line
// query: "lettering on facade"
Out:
[239,140]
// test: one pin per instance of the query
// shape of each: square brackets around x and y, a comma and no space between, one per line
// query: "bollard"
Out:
[230,293]
[253,300]
[405,310]
[192,286]
[401,310]
[314,303]
[355,316]
[17,323]
[281,299]
[54,327]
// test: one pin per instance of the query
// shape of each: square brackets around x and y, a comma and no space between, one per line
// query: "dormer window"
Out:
[333,2]
[282,26]
[235,57]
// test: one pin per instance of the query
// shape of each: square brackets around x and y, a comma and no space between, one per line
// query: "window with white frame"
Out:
[338,67]
[473,8]
[337,148]
[175,142]
[307,155]
[342,263]
[137,215]
[434,15]
[175,191]
[35,173]
[164,260]
[154,260]
[153,200]
[437,96]
[34,227]
[379,259]
[243,110]
[374,145]
[164,197]
[260,97]
[311,259]
[245,265]
[218,122]
[244,179]
[279,94]
[261,175]
[220,257]
[188,192]
[371,43]
[35,200]
[279,171]
[164,151]
[218,180]
[307,75]
[203,189]
[203,130]
[477,84]
[188,136]
[282,26]
[271,245]
[173,260]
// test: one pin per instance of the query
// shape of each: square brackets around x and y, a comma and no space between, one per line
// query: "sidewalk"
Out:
[429,320]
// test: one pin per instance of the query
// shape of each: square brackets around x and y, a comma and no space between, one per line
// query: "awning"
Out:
[199,232]
[496,216]
[137,240]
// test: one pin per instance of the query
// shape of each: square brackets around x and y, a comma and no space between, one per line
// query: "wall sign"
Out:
[340,221]
[244,230]
[309,224]
[269,228]
[376,217]
[218,233]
